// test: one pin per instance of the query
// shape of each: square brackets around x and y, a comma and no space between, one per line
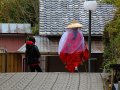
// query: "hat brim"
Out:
[75,25]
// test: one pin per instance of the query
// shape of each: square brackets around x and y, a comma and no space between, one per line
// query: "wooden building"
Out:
[12,37]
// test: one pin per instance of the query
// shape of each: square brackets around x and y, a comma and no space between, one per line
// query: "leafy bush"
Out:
[111,38]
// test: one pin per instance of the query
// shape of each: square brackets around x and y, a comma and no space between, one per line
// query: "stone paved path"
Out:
[51,81]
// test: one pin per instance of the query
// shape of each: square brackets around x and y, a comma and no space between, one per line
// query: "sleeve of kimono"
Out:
[86,53]
[62,42]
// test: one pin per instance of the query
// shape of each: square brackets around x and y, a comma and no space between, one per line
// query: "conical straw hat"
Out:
[74,24]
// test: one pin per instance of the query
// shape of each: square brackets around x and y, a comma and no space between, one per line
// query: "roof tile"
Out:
[55,15]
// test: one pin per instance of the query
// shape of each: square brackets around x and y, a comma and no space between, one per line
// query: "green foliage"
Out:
[35,30]
[114,2]
[107,63]
[20,11]
[111,38]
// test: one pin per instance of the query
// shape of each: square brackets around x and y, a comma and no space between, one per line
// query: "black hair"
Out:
[32,39]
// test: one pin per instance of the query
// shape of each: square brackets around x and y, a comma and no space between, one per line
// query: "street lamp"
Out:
[90,6]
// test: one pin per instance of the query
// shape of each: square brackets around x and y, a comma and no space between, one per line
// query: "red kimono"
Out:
[72,49]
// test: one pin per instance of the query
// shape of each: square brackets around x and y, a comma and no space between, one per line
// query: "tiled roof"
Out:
[47,46]
[15,28]
[55,15]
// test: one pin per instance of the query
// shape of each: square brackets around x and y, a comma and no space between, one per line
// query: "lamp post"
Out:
[90,6]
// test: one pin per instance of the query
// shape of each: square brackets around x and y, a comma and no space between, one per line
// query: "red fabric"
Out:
[86,54]
[34,65]
[74,60]
[74,51]
[73,43]
[29,43]
[71,60]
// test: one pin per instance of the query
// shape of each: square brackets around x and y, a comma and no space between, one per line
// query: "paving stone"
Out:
[51,81]
[4,77]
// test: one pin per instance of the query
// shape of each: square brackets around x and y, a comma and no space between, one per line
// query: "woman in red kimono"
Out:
[72,49]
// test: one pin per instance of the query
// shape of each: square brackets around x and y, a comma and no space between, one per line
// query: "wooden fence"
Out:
[13,62]
[10,62]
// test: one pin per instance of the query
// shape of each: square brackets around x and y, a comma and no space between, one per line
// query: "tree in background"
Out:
[111,37]
[20,11]
[114,2]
